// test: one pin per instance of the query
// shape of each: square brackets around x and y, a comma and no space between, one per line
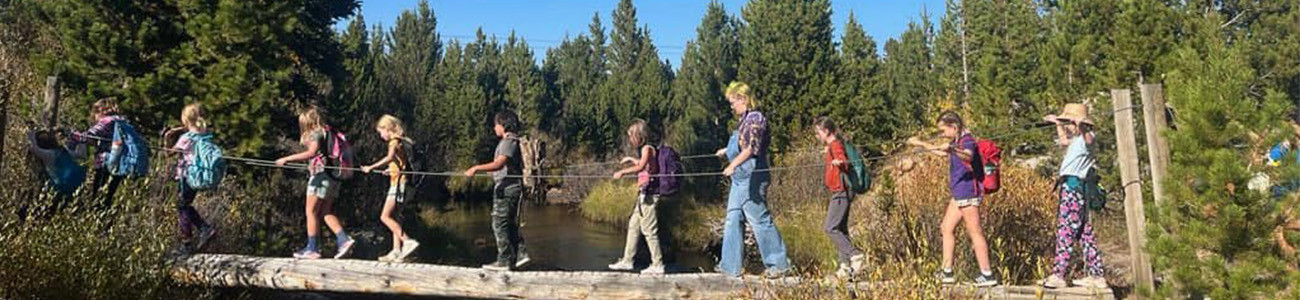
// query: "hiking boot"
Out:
[497,266]
[986,280]
[775,273]
[522,260]
[1096,282]
[306,254]
[656,269]
[408,247]
[345,248]
[1053,282]
[858,263]
[946,277]
[205,235]
[621,265]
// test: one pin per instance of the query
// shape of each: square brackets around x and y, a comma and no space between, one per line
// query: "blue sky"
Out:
[544,23]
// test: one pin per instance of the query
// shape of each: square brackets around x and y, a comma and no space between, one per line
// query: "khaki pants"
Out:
[644,222]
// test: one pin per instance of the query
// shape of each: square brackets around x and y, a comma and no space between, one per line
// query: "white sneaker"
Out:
[392,256]
[621,265]
[653,270]
[345,248]
[844,272]
[408,247]
[1096,282]
[523,260]
[1053,282]
[858,263]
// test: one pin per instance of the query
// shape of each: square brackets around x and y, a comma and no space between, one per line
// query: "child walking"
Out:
[851,260]
[1074,133]
[392,131]
[195,127]
[967,192]
[321,188]
[105,112]
[643,221]
[507,167]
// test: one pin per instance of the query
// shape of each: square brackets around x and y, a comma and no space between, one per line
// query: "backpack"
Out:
[338,155]
[415,161]
[991,158]
[859,180]
[209,165]
[65,174]
[1093,194]
[670,165]
[128,155]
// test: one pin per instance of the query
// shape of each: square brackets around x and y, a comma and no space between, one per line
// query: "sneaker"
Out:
[1096,282]
[523,260]
[392,256]
[345,248]
[497,266]
[306,254]
[946,277]
[775,273]
[986,280]
[408,247]
[858,263]
[844,272]
[205,235]
[621,265]
[1053,282]
[653,270]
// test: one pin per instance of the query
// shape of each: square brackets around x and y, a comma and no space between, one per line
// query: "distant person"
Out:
[321,188]
[967,193]
[1074,133]
[106,114]
[747,151]
[851,260]
[392,131]
[507,167]
[644,220]
[63,173]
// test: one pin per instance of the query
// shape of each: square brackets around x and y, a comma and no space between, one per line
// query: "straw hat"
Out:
[1075,112]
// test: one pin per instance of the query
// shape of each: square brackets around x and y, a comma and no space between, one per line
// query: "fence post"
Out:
[1134,213]
[51,102]
[1153,104]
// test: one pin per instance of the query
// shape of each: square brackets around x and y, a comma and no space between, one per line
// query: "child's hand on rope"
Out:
[281,162]
[470,172]
[618,175]
[721,152]
[628,160]
[366,169]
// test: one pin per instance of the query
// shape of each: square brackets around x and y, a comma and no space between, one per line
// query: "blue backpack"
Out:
[209,165]
[65,174]
[128,155]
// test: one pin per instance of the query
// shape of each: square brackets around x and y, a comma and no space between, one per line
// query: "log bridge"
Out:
[366,276]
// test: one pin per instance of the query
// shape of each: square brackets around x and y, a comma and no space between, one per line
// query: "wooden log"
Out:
[1134,210]
[1153,108]
[363,276]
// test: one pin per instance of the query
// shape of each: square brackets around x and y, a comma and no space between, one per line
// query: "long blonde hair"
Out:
[393,126]
[737,88]
[638,130]
[192,116]
[309,121]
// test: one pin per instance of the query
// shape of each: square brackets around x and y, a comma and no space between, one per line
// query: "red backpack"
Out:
[991,157]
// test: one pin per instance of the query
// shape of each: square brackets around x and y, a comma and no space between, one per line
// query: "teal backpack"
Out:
[859,178]
[128,155]
[209,165]
[65,174]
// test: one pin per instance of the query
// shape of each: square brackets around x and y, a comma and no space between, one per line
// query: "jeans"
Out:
[748,198]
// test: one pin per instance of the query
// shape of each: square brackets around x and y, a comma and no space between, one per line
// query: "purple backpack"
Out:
[670,165]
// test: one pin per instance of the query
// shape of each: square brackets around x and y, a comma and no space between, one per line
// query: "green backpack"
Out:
[859,180]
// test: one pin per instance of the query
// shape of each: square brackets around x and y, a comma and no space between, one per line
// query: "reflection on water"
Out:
[556,237]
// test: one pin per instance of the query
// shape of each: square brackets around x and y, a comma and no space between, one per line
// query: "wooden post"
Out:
[1153,104]
[51,102]
[1134,213]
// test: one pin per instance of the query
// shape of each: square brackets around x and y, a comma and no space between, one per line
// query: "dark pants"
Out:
[837,226]
[189,217]
[103,177]
[505,223]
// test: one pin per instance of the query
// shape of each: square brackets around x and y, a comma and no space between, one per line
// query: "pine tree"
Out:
[908,78]
[787,58]
[638,86]
[575,71]
[409,67]
[861,110]
[700,112]
[1007,35]
[1213,237]
[525,91]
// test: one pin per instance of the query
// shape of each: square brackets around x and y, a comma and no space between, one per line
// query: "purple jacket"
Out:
[101,134]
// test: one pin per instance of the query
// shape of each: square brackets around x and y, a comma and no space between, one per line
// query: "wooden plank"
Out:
[1153,108]
[363,276]
[1134,212]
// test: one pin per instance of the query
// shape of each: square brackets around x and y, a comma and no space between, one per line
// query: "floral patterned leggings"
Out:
[1073,224]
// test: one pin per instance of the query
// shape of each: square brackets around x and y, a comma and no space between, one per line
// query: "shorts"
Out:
[321,186]
[968,202]
[397,192]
